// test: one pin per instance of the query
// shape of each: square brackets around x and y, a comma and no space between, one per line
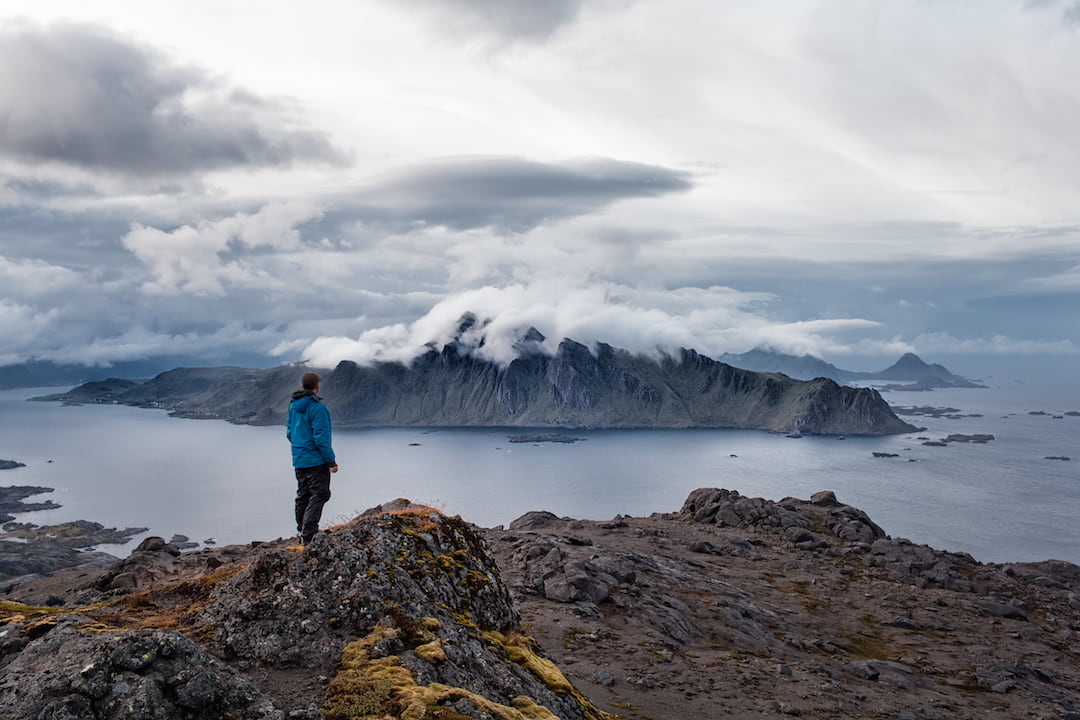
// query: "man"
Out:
[308,429]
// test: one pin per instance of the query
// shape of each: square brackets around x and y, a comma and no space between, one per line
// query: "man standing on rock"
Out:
[308,429]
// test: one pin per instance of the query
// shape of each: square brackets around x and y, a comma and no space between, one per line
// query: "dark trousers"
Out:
[312,492]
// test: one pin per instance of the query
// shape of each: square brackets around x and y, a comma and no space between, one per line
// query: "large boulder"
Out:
[399,614]
[407,607]
[67,673]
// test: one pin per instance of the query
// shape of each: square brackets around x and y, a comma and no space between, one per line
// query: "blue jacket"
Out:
[308,429]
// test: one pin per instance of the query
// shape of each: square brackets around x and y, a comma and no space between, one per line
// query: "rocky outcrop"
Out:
[11,500]
[575,387]
[39,551]
[402,614]
[58,669]
[732,606]
[74,534]
[747,607]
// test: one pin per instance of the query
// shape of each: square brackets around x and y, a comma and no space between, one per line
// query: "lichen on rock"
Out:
[399,607]
[403,603]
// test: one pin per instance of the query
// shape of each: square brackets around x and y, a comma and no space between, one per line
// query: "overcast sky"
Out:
[344,179]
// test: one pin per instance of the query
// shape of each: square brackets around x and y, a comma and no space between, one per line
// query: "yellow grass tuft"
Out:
[368,688]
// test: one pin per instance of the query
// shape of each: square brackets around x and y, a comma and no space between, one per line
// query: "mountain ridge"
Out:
[575,387]
[908,368]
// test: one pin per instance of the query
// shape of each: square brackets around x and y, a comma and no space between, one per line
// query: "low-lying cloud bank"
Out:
[712,320]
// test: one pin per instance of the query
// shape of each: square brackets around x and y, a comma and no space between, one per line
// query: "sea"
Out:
[1000,501]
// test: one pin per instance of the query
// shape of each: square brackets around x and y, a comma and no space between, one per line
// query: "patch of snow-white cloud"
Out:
[22,325]
[648,321]
[34,278]
[191,259]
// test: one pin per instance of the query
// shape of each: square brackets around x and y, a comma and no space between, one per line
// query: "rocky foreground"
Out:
[732,607]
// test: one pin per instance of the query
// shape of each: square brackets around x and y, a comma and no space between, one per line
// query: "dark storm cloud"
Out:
[512,194]
[85,97]
[509,19]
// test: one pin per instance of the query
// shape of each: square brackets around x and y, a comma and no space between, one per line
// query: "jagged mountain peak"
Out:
[533,335]
[910,359]
[531,343]
[467,322]
[912,367]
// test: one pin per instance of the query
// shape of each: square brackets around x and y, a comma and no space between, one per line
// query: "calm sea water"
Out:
[1001,501]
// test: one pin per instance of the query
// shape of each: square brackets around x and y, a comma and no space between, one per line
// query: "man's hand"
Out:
[333,467]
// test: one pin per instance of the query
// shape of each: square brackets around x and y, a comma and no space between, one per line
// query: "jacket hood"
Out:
[299,395]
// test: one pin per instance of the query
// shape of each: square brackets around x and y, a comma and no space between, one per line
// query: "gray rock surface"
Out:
[732,607]
[68,674]
[12,496]
[752,608]
[402,613]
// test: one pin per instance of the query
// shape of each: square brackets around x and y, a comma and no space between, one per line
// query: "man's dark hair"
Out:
[310,381]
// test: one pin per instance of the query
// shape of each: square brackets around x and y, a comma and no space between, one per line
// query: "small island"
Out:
[926,411]
[976,438]
[29,551]
[927,384]
[11,501]
[10,464]
[545,437]
[74,534]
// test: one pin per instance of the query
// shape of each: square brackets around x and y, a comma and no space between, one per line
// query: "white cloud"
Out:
[946,344]
[190,258]
[712,320]
[21,325]
[930,345]
[138,342]
[756,167]
[32,278]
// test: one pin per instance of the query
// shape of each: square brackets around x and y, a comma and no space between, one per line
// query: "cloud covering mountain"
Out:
[343,181]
